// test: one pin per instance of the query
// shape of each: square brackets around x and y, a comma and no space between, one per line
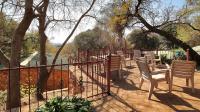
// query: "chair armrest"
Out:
[159,72]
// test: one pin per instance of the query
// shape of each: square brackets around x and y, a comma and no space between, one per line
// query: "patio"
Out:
[127,97]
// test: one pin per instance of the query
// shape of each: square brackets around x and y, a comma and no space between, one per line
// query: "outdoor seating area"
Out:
[142,89]
[100,56]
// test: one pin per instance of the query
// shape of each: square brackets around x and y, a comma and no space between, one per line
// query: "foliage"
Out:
[24,90]
[191,15]
[171,28]
[143,41]
[119,19]
[7,28]
[66,105]
[69,49]
[90,39]
[30,43]
[51,48]
[3,95]
[180,54]
[164,59]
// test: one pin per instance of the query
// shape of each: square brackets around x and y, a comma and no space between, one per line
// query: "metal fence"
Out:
[83,76]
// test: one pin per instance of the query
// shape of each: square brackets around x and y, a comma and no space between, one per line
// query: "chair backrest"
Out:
[149,58]
[182,68]
[120,53]
[141,59]
[137,53]
[144,69]
[151,53]
[115,62]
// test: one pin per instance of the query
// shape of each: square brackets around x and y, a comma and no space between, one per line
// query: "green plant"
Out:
[3,97]
[180,55]
[164,59]
[59,104]
[24,90]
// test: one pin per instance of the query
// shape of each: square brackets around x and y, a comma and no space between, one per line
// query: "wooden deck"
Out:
[127,97]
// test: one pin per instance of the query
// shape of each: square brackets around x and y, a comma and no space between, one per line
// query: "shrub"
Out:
[3,97]
[180,55]
[66,105]
[164,59]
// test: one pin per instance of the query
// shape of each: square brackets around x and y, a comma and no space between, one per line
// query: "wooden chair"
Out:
[136,54]
[151,53]
[123,58]
[183,69]
[152,77]
[150,61]
[115,64]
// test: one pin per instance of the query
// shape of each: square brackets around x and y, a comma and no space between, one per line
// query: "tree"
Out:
[90,40]
[144,10]
[114,23]
[143,41]
[26,11]
[44,73]
[13,98]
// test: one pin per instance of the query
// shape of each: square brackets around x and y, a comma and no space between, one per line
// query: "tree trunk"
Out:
[120,40]
[193,54]
[43,71]
[13,96]
[43,74]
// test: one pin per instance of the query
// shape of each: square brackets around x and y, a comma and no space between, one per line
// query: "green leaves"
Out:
[73,104]
[91,39]
[120,19]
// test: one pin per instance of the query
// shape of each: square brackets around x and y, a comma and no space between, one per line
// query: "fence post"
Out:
[78,55]
[108,74]
[188,55]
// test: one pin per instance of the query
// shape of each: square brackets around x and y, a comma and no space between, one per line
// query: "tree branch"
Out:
[4,59]
[101,22]
[72,32]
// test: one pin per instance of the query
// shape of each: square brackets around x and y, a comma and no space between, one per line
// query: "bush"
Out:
[66,105]
[3,97]
[180,55]
[164,59]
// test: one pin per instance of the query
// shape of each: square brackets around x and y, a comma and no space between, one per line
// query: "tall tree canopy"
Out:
[147,15]
[91,40]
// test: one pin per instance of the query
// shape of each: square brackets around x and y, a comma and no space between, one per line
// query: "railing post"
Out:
[188,55]
[78,55]
[87,61]
[108,74]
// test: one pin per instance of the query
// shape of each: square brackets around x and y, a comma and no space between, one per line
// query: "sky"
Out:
[61,34]
[178,3]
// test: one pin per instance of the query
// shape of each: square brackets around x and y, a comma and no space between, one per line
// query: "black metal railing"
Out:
[83,76]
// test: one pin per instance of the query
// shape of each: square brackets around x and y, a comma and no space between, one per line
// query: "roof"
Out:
[35,57]
[197,49]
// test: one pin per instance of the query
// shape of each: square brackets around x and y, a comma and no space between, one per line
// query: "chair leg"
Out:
[156,85]
[167,77]
[170,84]
[151,90]
[187,81]
[192,83]
[141,82]
[120,75]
